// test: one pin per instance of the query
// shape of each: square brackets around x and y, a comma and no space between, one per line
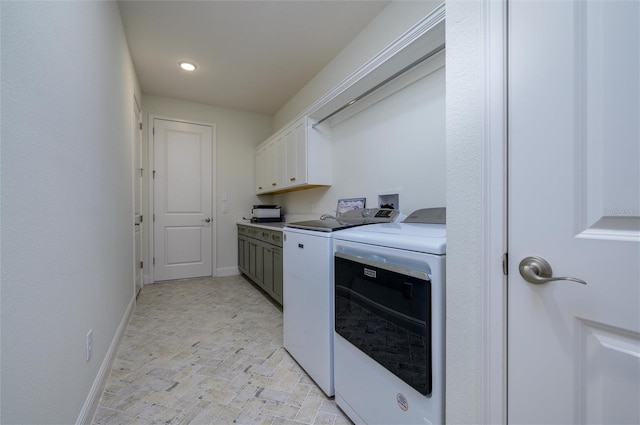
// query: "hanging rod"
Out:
[377,86]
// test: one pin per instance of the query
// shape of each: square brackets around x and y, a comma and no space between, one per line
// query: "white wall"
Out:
[238,133]
[464,200]
[67,218]
[384,29]
[368,160]
[394,146]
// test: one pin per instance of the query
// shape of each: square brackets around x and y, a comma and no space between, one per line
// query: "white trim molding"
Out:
[227,271]
[494,214]
[410,46]
[425,36]
[91,403]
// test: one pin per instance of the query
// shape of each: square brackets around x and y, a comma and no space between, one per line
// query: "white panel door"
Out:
[183,228]
[137,199]
[574,201]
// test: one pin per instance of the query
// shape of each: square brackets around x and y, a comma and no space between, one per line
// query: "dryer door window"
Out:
[384,310]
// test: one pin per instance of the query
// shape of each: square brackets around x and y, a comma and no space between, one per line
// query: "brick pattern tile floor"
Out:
[209,351]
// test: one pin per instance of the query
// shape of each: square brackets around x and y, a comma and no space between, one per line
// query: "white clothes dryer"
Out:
[389,289]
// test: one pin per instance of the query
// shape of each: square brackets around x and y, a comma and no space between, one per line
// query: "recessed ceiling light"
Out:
[188,66]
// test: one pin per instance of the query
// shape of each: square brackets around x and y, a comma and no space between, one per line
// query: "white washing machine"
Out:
[389,289]
[308,289]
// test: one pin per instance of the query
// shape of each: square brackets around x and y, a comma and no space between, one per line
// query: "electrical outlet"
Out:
[89,344]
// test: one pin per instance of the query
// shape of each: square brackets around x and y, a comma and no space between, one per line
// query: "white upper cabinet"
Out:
[261,169]
[269,165]
[291,176]
[276,157]
[295,153]
[297,157]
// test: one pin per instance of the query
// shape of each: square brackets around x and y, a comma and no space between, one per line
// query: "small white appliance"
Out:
[308,289]
[266,213]
[389,289]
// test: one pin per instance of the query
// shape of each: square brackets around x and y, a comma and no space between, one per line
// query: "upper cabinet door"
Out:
[275,153]
[296,154]
[300,143]
[294,158]
[261,170]
[290,166]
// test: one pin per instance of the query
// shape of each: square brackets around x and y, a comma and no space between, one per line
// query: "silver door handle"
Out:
[537,270]
[207,220]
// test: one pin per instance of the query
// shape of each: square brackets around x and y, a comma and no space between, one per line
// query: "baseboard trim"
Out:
[91,404]
[227,271]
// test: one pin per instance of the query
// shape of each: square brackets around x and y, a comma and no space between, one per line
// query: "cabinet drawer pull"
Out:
[274,184]
[292,179]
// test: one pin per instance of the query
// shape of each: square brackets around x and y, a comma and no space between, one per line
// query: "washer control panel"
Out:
[368,216]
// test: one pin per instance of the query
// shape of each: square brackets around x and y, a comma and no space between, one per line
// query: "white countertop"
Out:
[269,226]
[289,218]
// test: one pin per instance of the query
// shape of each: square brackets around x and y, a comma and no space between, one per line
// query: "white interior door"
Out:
[574,200]
[183,227]
[137,199]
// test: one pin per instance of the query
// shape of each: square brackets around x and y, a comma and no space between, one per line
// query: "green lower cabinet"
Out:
[260,258]
[243,254]
[277,274]
[267,261]
[257,252]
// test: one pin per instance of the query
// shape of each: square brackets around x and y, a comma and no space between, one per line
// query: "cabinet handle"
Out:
[274,184]
[292,179]
[260,188]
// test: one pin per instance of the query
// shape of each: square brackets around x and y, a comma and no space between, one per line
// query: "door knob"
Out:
[207,220]
[537,270]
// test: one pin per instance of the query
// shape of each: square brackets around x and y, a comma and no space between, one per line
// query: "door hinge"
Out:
[154,218]
[154,261]
[154,174]
[140,126]
[505,264]
[141,264]
[141,218]
[154,131]
[141,171]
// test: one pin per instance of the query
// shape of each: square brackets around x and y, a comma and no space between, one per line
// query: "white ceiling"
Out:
[251,55]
